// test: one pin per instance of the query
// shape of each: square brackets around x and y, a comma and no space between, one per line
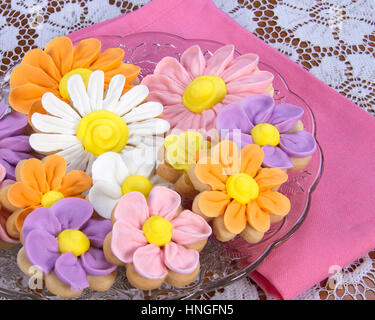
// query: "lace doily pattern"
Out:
[333,39]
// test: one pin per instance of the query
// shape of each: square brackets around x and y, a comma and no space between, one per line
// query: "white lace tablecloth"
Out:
[333,39]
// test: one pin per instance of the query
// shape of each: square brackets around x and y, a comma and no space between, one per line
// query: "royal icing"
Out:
[95,124]
[151,235]
[194,89]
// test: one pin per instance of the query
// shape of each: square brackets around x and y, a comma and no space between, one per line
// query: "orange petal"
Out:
[22,196]
[74,183]
[40,59]
[213,203]
[251,159]
[274,203]
[108,60]
[130,71]
[61,51]
[36,107]
[211,174]
[270,178]
[235,217]
[257,218]
[25,74]
[85,53]
[21,216]
[55,167]
[22,98]
[32,173]
[226,154]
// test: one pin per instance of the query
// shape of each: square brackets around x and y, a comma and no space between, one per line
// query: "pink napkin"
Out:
[340,225]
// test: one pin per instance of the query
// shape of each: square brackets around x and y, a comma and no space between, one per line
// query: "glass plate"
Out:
[221,263]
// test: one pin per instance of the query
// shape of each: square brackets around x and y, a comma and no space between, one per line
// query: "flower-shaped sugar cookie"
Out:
[40,184]
[179,153]
[48,70]
[14,146]
[276,128]
[193,90]
[114,175]
[95,124]
[6,241]
[237,193]
[66,244]
[155,240]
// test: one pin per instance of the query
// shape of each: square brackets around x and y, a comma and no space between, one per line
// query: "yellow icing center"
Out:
[242,187]
[265,134]
[182,150]
[73,241]
[50,197]
[136,183]
[63,86]
[157,230]
[203,93]
[102,131]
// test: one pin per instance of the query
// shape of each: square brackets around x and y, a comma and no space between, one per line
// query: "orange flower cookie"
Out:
[48,70]
[40,184]
[179,153]
[237,193]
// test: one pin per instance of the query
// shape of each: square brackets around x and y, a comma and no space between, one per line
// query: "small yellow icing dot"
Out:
[50,197]
[136,183]
[63,86]
[74,241]
[157,230]
[102,131]
[182,149]
[242,187]
[203,93]
[265,134]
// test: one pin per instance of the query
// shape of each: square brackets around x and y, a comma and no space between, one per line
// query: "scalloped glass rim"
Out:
[167,43]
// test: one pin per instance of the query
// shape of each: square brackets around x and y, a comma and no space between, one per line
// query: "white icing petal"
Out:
[148,141]
[58,108]
[114,92]
[110,167]
[140,161]
[144,111]
[51,124]
[148,127]
[104,195]
[51,142]
[95,90]
[131,99]
[78,94]
[76,157]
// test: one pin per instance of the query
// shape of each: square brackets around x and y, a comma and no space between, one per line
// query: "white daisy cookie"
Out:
[114,175]
[96,122]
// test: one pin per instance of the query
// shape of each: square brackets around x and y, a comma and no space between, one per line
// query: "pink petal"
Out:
[179,259]
[132,209]
[257,82]
[193,61]
[171,68]
[175,114]
[165,98]
[220,60]
[163,202]
[189,227]
[126,240]
[231,98]
[240,67]
[3,172]
[159,82]
[148,262]
[208,119]
[190,120]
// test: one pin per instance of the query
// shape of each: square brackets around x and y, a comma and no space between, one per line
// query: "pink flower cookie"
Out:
[155,239]
[194,89]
